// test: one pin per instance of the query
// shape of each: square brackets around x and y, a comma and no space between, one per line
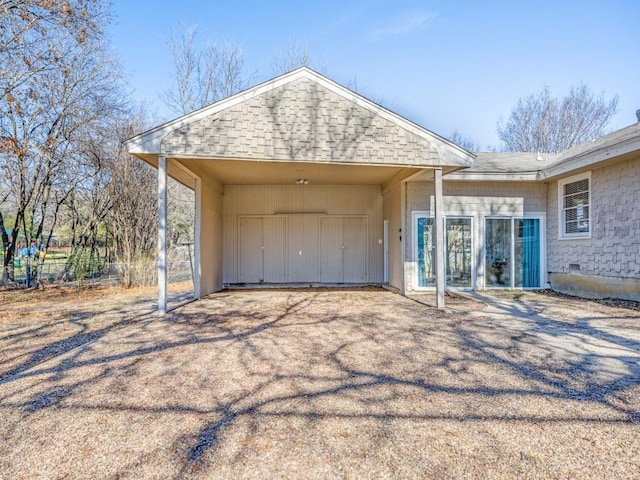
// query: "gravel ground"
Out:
[333,384]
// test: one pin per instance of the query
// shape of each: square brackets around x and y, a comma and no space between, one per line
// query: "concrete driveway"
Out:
[337,384]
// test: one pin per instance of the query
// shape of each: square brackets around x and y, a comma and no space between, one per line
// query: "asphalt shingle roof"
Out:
[518,162]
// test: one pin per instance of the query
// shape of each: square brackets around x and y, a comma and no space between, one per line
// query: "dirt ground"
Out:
[318,384]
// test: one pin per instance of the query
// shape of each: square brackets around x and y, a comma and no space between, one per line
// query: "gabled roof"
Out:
[492,166]
[505,166]
[179,136]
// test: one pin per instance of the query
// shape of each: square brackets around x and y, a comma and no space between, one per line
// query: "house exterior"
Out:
[301,181]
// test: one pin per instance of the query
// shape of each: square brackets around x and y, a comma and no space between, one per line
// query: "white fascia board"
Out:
[590,159]
[493,177]
[150,141]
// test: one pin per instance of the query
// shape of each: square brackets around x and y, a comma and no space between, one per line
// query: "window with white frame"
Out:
[574,200]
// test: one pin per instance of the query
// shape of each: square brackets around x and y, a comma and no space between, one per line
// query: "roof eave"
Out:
[591,158]
[494,176]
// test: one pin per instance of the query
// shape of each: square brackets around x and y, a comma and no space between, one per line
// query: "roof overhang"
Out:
[605,155]
[493,176]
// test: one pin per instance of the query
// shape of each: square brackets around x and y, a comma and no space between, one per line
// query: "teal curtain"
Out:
[530,252]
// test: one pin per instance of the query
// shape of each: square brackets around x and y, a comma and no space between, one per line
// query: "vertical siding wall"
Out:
[614,247]
[392,213]
[210,239]
[365,200]
[472,199]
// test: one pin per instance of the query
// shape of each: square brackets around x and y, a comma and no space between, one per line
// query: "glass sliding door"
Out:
[498,252]
[527,252]
[426,263]
[458,256]
[512,252]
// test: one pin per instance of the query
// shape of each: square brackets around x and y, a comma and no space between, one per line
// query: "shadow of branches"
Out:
[230,373]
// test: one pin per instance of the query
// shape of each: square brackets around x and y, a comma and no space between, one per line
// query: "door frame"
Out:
[414,238]
[542,217]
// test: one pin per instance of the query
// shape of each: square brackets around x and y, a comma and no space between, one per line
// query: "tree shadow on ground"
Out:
[312,356]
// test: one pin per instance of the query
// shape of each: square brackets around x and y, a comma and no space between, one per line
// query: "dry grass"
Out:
[39,324]
[336,384]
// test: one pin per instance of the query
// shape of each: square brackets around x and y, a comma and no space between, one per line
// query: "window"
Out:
[574,200]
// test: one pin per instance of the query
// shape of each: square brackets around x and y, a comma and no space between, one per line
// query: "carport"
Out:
[297,181]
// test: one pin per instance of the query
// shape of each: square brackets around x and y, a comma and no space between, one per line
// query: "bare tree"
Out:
[57,83]
[203,74]
[543,123]
[297,55]
[464,142]
[180,214]
[133,217]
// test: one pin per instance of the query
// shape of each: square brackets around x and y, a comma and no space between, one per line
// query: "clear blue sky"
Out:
[445,65]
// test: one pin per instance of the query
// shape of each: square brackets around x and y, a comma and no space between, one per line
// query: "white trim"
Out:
[439,229]
[493,177]
[590,158]
[418,214]
[562,235]
[196,240]
[385,250]
[162,235]
[403,234]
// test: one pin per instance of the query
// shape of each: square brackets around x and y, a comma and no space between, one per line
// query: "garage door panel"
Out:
[355,249]
[331,268]
[302,246]
[275,250]
[250,269]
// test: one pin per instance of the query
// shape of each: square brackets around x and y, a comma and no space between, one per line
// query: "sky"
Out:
[445,65]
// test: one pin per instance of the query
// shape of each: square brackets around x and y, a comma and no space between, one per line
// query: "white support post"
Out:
[196,238]
[438,226]
[162,235]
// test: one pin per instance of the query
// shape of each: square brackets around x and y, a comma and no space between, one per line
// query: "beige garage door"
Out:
[302,248]
[262,250]
[343,249]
